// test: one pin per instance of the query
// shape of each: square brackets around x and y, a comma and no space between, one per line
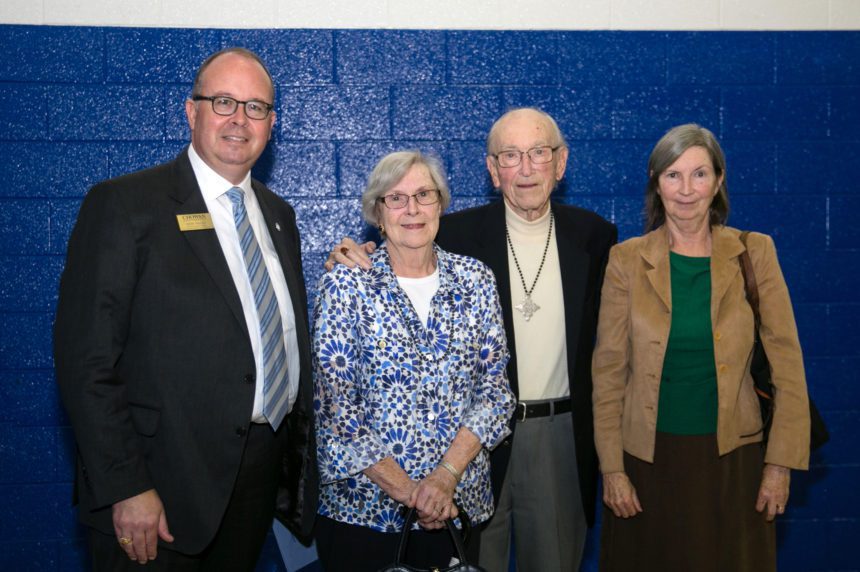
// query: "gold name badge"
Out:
[197,221]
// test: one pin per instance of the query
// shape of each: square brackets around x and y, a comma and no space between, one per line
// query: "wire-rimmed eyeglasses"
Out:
[400,200]
[537,155]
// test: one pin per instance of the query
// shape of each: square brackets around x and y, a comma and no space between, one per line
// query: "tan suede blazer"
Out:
[633,330]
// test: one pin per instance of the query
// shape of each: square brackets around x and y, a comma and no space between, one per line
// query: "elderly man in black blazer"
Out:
[549,260]
[181,346]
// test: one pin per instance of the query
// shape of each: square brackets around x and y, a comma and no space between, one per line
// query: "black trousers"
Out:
[242,532]
[351,548]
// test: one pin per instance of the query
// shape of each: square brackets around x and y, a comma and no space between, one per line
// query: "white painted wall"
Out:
[444,14]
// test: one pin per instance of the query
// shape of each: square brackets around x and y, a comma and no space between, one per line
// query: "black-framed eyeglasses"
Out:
[537,155]
[400,200]
[223,105]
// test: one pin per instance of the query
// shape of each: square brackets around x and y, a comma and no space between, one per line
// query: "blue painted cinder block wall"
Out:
[84,104]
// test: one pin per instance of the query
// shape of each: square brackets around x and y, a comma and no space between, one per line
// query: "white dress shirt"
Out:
[214,188]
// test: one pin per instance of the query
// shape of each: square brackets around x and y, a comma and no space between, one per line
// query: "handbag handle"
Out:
[412,516]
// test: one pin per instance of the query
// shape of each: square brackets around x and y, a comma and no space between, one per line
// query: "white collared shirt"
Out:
[214,188]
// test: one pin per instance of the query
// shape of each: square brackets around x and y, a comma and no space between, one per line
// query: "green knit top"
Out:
[688,386]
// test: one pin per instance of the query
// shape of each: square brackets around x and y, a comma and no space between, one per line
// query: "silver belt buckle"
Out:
[525,410]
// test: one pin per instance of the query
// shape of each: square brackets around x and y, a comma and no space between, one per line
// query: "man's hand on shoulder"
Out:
[350,254]
[138,522]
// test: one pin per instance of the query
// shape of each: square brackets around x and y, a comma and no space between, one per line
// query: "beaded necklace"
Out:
[528,307]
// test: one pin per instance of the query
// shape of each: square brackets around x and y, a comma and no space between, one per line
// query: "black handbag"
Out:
[460,550]
[760,365]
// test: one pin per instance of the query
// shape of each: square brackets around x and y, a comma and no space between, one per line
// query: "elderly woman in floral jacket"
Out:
[411,389]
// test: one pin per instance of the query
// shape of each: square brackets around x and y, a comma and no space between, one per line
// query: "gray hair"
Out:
[554,132]
[390,170]
[667,150]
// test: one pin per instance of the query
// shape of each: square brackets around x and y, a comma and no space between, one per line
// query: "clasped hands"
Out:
[433,498]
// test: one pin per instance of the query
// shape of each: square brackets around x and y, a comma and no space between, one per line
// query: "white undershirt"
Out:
[541,342]
[214,189]
[420,292]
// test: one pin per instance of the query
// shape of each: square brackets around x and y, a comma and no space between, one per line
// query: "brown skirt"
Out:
[698,512]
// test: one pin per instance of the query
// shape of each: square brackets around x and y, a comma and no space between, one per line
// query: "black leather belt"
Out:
[541,408]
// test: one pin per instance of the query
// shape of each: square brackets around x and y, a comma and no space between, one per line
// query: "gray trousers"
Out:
[540,502]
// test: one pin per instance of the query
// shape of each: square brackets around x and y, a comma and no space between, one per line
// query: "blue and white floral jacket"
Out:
[388,386]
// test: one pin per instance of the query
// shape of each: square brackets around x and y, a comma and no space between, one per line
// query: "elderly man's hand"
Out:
[138,522]
[619,494]
[434,499]
[773,492]
[350,254]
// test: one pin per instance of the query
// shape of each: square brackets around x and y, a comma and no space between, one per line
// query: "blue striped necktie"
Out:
[275,400]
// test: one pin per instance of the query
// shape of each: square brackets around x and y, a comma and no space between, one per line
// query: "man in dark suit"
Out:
[181,346]
[548,260]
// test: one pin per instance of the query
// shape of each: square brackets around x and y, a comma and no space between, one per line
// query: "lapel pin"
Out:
[278,226]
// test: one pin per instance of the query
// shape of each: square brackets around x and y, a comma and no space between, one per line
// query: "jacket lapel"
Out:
[574,264]
[493,251]
[725,248]
[655,253]
[285,246]
[204,243]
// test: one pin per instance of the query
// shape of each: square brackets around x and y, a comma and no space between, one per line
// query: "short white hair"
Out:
[390,170]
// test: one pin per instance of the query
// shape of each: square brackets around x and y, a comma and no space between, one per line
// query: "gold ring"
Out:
[124,540]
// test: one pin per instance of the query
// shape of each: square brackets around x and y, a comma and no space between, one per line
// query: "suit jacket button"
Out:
[249,378]
[241,431]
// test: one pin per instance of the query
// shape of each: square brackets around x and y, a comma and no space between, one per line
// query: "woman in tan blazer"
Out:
[686,483]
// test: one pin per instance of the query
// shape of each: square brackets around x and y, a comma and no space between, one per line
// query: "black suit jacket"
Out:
[583,240]
[154,360]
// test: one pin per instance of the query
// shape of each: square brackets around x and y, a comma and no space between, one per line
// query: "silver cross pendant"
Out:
[527,307]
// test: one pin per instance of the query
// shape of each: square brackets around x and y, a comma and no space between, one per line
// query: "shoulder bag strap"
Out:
[760,366]
[750,284]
